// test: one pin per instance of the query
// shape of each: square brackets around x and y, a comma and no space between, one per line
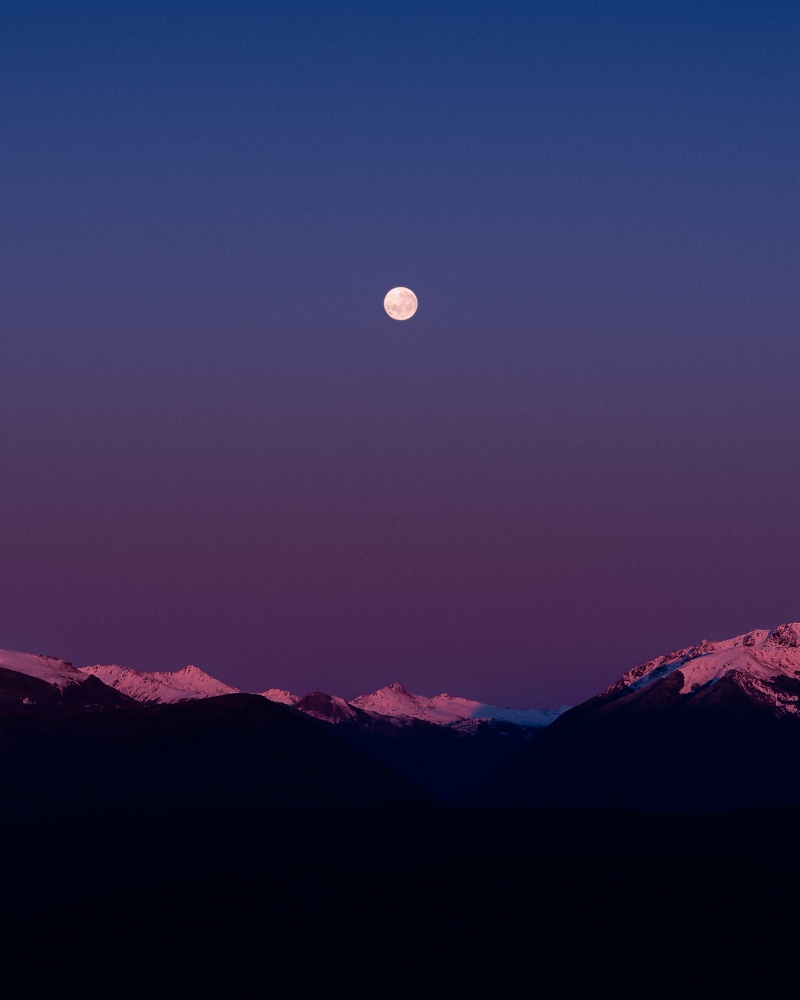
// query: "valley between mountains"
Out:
[707,728]
[639,844]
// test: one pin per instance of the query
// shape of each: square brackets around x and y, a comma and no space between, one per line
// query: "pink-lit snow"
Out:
[46,668]
[280,696]
[759,657]
[446,709]
[160,686]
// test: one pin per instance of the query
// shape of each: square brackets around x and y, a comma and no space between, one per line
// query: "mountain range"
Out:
[299,841]
[709,727]
[445,745]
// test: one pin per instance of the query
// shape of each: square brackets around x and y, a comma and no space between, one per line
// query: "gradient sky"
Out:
[215,447]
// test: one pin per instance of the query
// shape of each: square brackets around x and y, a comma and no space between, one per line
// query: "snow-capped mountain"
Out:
[160,686]
[446,709]
[396,702]
[29,679]
[446,753]
[280,696]
[53,671]
[143,686]
[762,665]
[711,727]
[714,726]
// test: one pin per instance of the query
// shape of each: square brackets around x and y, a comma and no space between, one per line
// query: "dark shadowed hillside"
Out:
[237,751]
[711,728]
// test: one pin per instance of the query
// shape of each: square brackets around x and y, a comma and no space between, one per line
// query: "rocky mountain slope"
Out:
[710,727]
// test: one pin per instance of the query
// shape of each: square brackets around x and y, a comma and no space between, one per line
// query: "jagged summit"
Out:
[445,709]
[784,635]
[763,664]
[160,686]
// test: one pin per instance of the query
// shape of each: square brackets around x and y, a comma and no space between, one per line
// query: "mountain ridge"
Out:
[164,687]
[160,686]
[443,745]
[707,728]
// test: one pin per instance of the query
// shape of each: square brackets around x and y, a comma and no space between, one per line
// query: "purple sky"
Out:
[216,448]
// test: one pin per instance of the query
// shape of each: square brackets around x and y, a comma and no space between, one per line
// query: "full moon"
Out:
[400,303]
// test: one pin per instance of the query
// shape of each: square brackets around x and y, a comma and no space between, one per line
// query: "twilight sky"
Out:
[584,449]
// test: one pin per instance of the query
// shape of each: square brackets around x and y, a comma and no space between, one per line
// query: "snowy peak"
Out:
[29,679]
[392,700]
[280,696]
[45,668]
[446,709]
[160,686]
[764,664]
[190,682]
